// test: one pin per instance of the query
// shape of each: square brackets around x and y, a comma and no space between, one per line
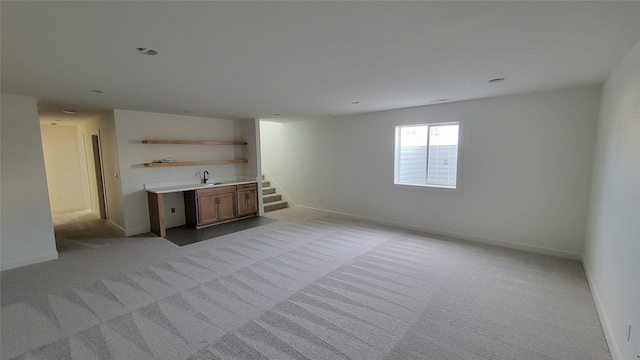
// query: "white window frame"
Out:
[396,158]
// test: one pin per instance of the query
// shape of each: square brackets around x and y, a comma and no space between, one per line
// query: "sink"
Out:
[212,184]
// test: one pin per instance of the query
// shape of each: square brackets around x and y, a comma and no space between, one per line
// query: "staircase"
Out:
[270,199]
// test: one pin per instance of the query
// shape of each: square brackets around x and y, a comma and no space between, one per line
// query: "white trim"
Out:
[461,236]
[68,208]
[604,321]
[124,232]
[28,261]
[441,189]
[137,231]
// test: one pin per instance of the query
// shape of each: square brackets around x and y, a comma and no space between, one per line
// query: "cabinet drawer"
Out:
[215,191]
[250,186]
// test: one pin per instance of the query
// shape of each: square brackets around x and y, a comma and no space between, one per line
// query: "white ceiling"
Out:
[303,59]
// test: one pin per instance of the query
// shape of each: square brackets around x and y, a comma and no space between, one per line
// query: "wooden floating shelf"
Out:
[194,142]
[190,163]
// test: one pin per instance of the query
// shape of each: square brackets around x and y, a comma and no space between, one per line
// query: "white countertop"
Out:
[187,187]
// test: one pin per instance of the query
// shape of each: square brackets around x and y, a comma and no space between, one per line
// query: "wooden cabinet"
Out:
[204,207]
[247,199]
[214,208]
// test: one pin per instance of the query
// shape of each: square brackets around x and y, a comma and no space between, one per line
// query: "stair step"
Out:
[268,190]
[266,183]
[271,198]
[277,205]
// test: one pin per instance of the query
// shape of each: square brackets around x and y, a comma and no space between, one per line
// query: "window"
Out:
[427,155]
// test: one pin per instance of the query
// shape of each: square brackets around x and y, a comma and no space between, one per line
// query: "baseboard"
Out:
[604,321]
[138,231]
[123,231]
[68,208]
[28,261]
[474,238]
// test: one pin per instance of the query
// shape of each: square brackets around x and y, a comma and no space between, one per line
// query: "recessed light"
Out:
[328,114]
[186,111]
[69,111]
[355,102]
[496,80]
[96,91]
[146,51]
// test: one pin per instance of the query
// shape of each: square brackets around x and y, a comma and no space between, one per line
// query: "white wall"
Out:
[104,126]
[526,168]
[250,129]
[134,126]
[64,166]
[26,235]
[612,248]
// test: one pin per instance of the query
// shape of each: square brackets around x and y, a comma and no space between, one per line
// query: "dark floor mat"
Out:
[183,235]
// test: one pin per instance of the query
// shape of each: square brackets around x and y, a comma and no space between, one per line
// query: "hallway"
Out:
[83,229]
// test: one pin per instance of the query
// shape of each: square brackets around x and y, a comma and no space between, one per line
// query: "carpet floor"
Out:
[323,288]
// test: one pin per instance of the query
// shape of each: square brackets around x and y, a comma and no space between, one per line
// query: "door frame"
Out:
[98,165]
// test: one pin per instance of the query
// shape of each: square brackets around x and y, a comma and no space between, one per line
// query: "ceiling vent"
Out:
[146,51]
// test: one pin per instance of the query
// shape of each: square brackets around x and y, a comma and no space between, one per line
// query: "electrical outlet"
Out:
[173,210]
[297,167]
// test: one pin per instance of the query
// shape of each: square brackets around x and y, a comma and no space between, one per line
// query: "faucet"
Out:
[205,177]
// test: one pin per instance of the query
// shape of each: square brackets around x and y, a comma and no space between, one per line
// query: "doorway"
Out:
[74,165]
[88,228]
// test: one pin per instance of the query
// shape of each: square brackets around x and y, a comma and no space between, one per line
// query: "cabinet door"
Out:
[241,202]
[226,206]
[252,201]
[207,209]
[247,202]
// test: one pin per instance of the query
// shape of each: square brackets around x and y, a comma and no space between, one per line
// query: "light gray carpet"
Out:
[322,289]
